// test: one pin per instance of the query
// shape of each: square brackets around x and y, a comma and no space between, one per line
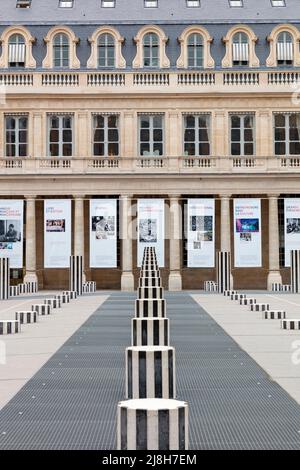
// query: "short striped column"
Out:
[150,372]
[149,282]
[31,287]
[145,308]
[89,287]
[152,425]
[286,288]
[27,316]
[150,332]
[276,286]
[54,303]
[149,273]
[247,301]
[295,271]
[76,274]
[10,327]
[210,286]
[150,293]
[14,291]
[22,288]
[238,296]
[229,293]
[41,309]
[71,293]
[290,324]
[274,315]
[223,270]
[4,279]
[64,298]
[259,307]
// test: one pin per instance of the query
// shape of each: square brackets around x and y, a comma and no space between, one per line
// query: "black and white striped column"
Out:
[27,316]
[76,274]
[150,332]
[41,309]
[150,282]
[150,372]
[31,287]
[223,270]
[152,425]
[145,308]
[10,327]
[4,279]
[295,271]
[150,293]
[290,324]
[14,291]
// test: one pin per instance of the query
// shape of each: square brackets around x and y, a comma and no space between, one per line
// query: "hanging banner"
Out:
[201,233]
[11,231]
[57,233]
[247,233]
[291,227]
[103,233]
[151,228]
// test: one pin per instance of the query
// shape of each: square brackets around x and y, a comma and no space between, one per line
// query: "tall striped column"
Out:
[152,425]
[4,279]
[295,271]
[76,273]
[223,270]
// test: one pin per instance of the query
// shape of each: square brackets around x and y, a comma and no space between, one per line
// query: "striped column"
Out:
[76,273]
[14,291]
[149,282]
[10,327]
[290,324]
[223,270]
[54,303]
[150,372]
[71,294]
[28,316]
[150,293]
[152,425]
[4,279]
[145,308]
[295,271]
[150,332]
[31,287]
[41,309]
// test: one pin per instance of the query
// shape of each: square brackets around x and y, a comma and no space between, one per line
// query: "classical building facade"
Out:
[137,99]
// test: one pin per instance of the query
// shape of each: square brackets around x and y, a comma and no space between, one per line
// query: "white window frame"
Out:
[197,142]
[287,135]
[17,129]
[60,134]
[151,129]
[105,129]
[242,141]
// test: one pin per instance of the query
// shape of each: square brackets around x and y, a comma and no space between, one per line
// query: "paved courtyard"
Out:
[68,400]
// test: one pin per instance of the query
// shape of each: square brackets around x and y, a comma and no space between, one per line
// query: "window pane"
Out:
[53,150]
[54,122]
[99,149]
[145,122]
[235,135]
[99,135]
[189,135]
[67,136]
[22,136]
[189,149]
[279,120]
[235,149]
[112,121]
[280,134]
[99,121]
[190,121]
[145,148]
[23,123]
[23,150]
[294,134]
[248,121]
[54,136]
[157,135]
[294,148]
[113,149]
[157,148]
[67,150]
[145,136]
[203,135]
[279,148]
[10,137]
[10,123]
[235,121]
[204,149]
[67,122]
[157,121]
[10,150]
[248,149]
[113,135]
[248,135]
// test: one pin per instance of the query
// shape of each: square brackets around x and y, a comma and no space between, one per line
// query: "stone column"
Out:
[175,231]
[274,269]
[79,229]
[30,275]
[127,278]
[226,227]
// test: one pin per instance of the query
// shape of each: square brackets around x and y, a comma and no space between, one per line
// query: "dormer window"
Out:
[195,51]
[150,3]
[16,51]
[240,49]
[193,3]
[108,3]
[236,3]
[278,3]
[66,3]
[285,49]
[23,4]
[61,50]
[106,50]
[151,50]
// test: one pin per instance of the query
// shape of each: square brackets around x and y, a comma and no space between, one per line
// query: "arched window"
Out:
[106,50]
[240,49]
[285,49]
[151,50]
[61,50]
[195,50]
[16,51]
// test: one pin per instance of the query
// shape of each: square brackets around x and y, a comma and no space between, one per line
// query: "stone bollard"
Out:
[276,286]
[71,293]
[247,301]
[229,293]
[152,424]
[273,315]
[27,316]
[54,303]
[22,288]
[64,298]
[14,291]
[286,288]
[150,372]
[145,308]
[41,309]
[290,324]
[259,307]
[10,327]
[238,296]
[150,293]
[150,332]
[31,287]
[150,282]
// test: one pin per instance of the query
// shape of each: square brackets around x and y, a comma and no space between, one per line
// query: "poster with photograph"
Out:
[291,227]
[11,231]
[57,233]
[150,227]
[201,233]
[247,233]
[103,233]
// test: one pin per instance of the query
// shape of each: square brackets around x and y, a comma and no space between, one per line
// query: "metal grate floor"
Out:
[71,402]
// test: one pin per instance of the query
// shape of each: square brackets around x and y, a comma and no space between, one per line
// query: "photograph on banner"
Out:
[247,233]
[103,233]
[57,233]
[151,228]
[291,227]
[11,231]
[201,233]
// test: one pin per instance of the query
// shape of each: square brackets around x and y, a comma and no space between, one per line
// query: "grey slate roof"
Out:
[133,11]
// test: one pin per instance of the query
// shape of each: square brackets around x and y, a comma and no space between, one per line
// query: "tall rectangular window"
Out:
[242,134]
[60,135]
[151,135]
[287,133]
[16,135]
[106,135]
[197,135]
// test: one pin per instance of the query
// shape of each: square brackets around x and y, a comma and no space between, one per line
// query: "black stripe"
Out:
[141,430]
[123,428]
[156,332]
[134,339]
[171,384]
[129,373]
[166,328]
[158,374]
[181,428]
[144,328]
[142,375]
[164,429]
[137,306]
